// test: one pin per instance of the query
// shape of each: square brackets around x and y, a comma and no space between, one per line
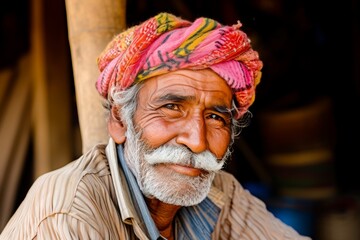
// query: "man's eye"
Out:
[217,118]
[171,106]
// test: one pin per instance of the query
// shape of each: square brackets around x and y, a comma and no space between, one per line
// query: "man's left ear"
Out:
[116,127]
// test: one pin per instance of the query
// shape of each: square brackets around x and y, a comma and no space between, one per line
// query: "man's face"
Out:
[183,123]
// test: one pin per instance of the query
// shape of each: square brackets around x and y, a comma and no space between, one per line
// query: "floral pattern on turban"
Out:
[167,43]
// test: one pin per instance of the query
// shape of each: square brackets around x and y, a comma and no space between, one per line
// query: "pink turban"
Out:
[167,43]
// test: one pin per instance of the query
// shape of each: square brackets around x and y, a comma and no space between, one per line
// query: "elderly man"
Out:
[176,92]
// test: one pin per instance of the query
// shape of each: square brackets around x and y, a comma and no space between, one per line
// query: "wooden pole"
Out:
[91,25]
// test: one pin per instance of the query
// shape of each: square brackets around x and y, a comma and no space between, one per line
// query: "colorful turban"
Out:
[166,43]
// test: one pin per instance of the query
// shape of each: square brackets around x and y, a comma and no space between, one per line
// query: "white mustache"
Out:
[182,156]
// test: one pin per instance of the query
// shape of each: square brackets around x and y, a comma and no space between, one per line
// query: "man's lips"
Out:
[186,170]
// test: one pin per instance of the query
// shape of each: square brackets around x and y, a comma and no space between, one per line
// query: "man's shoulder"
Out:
[68,191]
[224,187]
[60,185]
[93,161]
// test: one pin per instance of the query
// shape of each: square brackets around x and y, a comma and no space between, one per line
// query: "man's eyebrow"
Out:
[223,109]
[182,98]
[175,97]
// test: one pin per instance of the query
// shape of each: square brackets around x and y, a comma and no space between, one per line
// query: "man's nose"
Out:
[193,135]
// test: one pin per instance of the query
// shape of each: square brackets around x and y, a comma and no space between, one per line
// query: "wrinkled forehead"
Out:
[188,85]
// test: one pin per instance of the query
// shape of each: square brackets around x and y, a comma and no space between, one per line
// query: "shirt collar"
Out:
[128,193]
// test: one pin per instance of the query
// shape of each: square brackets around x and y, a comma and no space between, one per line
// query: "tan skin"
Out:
[184,107]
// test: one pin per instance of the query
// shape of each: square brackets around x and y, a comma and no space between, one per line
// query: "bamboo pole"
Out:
[91,25]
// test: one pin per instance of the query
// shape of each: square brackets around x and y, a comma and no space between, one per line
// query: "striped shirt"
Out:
[90,198]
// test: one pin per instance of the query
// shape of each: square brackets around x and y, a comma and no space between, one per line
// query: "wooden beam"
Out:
[91,25]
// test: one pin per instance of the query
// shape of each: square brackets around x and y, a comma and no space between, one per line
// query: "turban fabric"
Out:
[167,43]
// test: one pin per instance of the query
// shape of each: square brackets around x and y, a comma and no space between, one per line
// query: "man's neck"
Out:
[163,215]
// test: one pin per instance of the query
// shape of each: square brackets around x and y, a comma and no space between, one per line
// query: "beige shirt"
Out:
[89,199]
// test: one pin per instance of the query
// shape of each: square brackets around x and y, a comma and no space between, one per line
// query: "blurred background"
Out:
[299,153]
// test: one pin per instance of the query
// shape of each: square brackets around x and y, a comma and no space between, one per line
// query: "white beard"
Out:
[158,181]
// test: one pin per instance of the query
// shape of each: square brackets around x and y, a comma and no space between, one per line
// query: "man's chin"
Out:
[178,200]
